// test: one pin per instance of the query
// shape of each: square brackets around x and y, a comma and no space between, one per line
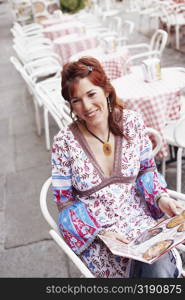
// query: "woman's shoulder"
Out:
[131,115]
[64,135]
[132,122]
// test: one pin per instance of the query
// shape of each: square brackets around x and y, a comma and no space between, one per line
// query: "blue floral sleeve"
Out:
[150,183]
[75,222]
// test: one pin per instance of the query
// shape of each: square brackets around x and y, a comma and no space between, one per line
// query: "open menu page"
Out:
[152,243]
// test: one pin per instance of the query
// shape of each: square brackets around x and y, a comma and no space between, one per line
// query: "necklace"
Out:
[107,149]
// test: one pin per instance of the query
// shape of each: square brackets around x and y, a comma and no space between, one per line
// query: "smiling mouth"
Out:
[91,114]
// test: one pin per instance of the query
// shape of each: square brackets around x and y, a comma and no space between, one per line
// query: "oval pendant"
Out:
[107,148]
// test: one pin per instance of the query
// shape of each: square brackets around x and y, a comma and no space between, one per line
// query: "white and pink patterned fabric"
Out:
[71,44]
[59,30]
[114,63]
[157,101]
[123,202]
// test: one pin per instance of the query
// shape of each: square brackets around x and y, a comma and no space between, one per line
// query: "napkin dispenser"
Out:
[151,69]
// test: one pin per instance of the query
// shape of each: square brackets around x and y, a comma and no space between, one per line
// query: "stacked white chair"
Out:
[31,74]
[50,93]
[31,86]
[30,43]
[173,17]
[119,30]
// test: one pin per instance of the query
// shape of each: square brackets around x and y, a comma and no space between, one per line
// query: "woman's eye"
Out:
[74,101]
[92,95]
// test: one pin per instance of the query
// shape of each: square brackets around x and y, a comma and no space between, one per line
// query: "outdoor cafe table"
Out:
[114,63]
[59,30]
[157,101]
[69,45]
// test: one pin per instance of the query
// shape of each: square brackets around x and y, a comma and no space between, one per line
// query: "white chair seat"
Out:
[174,133]
[169,133]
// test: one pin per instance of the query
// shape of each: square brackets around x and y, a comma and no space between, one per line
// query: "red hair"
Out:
[90,67]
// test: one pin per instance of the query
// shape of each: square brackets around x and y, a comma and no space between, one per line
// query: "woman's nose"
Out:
[86,104]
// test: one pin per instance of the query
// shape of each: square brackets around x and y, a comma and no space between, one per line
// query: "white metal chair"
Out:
[174,134]
[43,67]
[50,93]
[29,30]
[157,138]
[55,234]
[154,50]
[133,63]
[36,52]
[157,43]
[173,17]
[30,85]
[30,75]
[57,237]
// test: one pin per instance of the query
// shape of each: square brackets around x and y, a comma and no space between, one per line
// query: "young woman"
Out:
[104,175]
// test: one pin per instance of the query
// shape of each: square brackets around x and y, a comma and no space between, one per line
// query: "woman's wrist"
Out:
[164,194]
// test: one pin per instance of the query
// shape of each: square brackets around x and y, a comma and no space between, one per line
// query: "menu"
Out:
[152,243]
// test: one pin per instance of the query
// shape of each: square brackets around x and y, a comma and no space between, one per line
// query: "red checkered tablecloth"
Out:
[72,44]
[59,30]
[114,63]
[157,101]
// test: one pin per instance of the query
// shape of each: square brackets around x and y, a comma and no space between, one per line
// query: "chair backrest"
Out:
[154,134]
[20,68]
[179,132]
[158,41]
[43,205]
[49,92]
[138,58]
[30,82]
[54,232]
[116,23]
[127,27]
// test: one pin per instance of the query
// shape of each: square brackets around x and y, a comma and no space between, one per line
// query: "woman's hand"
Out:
[115,236]
[170,206]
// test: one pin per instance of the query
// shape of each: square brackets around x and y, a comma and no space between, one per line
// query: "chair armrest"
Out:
[69,252]
[147,54]
[176,195]
[137,46]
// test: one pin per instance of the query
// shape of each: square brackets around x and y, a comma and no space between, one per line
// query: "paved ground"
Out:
[26,249]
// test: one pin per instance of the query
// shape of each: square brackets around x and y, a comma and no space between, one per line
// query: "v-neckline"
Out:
[86,148]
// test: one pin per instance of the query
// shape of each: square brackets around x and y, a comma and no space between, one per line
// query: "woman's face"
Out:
[89,103]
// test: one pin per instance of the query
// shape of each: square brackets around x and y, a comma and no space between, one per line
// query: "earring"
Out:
[109,104]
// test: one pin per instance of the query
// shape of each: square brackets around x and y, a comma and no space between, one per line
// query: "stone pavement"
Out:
[26,249]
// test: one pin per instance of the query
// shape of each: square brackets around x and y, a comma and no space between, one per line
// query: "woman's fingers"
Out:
[175,208]
[170,206]
[122,239]
[116,236]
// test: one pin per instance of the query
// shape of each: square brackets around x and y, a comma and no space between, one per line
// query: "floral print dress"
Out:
[89,201]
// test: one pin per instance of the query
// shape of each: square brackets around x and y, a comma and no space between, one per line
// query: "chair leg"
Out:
[163,167]
[46,127]
[37,118]
[179,169]
[177,37]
